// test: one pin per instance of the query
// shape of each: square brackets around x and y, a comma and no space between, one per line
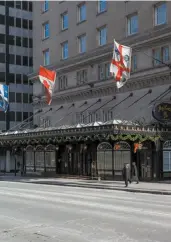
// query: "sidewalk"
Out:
[143,187]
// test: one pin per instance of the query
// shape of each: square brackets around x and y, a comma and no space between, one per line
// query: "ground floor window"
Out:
[167,156]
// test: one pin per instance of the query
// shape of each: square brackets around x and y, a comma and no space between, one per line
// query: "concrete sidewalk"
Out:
[143,187]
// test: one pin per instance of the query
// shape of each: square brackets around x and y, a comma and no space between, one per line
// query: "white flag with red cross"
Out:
[47,78]
[121,64]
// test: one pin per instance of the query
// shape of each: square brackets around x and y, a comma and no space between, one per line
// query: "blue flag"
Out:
[4,93]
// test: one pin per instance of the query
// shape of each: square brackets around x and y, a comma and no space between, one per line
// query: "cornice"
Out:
[138,41]
[109,89]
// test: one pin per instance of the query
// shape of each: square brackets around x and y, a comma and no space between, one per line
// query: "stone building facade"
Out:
[76,40]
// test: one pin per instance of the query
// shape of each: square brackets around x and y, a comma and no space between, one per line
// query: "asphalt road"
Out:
[43,213]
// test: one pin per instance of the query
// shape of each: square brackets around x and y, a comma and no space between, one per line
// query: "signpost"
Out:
[162,112]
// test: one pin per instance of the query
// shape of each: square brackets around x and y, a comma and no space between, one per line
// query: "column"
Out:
[8,161]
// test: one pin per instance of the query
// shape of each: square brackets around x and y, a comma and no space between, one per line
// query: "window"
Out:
[63,82]
[165,53]
[11,21]
[81,77]
[30,24]
[102,36]
[2,116]
[104,71]
[110,115]
[25,97]
[45,6]
[160,55]
[46,57]
[30,6]
[10,4]
[18,22]
[30,43]
[64,18]
[82,43]
[18,116]
[11,59]
[18,98]
[166,161]
[25,23]
[102,6]
[12,97]
[134,63]
[18,79]
[18,60]
[132,24]
[105,116]
[82,12]
[18,4]
[11,77]
[24,5]
[25,42]
[45,30]
[12,116]
[10,39]
[25,60]
[160,14]
[30,98]
[107,71]
[2,57]
[2,19]
[30,61]
[65,50]
[2,38]
[18,41]
[25,80]
[90,117]
[25,115]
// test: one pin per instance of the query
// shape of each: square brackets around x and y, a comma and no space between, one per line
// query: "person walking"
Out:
[134,173]
[126,174]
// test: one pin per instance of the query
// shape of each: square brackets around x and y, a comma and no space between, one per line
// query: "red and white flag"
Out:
[47,78]
[121,63]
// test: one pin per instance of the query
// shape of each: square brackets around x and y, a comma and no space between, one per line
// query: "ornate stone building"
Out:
[76,40]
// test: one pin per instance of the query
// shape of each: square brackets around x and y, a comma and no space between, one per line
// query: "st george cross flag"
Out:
[121,64]
[4,93]
[47,78]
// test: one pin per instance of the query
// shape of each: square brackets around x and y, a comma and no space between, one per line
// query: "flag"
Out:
[121,63]
[4,93]
[47,78]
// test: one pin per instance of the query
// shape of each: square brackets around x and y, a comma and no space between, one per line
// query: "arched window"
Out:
[167,156]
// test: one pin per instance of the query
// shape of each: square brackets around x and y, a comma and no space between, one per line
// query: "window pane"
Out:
[46,6]
[133,24]
[12,97]
[65,21]
[65,50]
[46,30]
[165,53]
[46,57]
[18,116]
[157,56]
[82,12]
[82,44]
[102,36]
[160,14]
[102,6]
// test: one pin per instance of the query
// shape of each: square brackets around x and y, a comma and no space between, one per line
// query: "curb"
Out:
[102,187]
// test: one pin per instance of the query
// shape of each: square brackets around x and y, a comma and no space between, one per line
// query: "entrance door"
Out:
[122,155]
[104,160]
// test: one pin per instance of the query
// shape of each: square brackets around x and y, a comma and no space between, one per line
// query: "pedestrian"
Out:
[134,173]
[126,174]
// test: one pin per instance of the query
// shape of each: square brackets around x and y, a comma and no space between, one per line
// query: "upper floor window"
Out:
[104,71]
[45,30]
[102,6]
[160,14]
[65,50]
[64,18]
[63,82]
[46,57]
[81,77]
[160,55]
[134,63]
[82,12]
[45,6]
[132,24]
[82,43]
[102,36]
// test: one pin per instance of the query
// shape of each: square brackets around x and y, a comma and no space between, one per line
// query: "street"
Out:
[44,213]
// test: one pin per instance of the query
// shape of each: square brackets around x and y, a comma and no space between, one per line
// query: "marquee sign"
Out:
[162,112]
